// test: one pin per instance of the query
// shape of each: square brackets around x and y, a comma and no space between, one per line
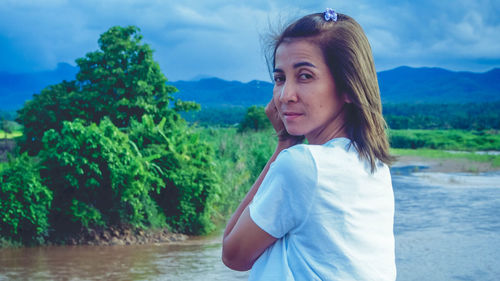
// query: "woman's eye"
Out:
[305,76]
[278,79]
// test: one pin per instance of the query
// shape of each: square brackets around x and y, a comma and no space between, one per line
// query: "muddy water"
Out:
[197,259]
[447,227]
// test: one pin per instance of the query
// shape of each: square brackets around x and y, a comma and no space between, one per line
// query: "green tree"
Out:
[48,110]
[255,119]
[187,169]
[80,130]
[24,201]
[98,178]
[120,81]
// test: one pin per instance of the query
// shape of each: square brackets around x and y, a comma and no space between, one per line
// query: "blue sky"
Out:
[195,38]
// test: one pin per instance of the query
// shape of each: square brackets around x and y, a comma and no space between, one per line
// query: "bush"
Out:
[240,157]
[445,139]
[98,179]
[24,202]
[255,119]
[187,168]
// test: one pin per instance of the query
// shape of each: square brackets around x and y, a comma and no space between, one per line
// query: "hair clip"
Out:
[330,15]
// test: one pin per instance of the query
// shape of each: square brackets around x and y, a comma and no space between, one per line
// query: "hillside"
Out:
[217,92]
[437,85]
[399,85]
[17,88]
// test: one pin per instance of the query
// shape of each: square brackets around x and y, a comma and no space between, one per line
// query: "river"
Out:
[447,227]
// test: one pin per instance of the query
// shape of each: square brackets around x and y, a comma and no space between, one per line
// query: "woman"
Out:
[322,210]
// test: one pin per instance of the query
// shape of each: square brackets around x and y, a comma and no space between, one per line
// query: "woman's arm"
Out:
[243,240]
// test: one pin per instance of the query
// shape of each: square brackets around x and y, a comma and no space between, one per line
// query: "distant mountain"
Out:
[399,85]
[17,88]
[218,92]
[436,85]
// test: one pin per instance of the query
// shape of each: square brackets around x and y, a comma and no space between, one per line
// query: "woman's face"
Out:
[305,94]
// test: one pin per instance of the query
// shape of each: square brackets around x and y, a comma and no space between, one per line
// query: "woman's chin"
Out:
[294,132]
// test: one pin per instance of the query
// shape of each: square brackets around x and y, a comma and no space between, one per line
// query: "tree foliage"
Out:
[445,139]
[255,119]
[47,110]
[468,116]
[187,168]
[103,165]
[120,81]
[98,178]
[24,201]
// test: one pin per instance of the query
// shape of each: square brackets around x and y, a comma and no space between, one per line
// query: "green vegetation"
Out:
[440,154]
[120,81]
[185,163]
[111,148]
[240,158]
[100,180]
[465,116]
[9,129]
[10,135]
[445,139]
[107,149]
[223,116]
[255,119]
[24,202]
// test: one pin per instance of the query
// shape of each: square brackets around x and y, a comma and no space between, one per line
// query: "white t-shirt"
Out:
[332,217]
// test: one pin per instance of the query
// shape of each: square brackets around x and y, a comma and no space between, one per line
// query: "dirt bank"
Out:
[122,236]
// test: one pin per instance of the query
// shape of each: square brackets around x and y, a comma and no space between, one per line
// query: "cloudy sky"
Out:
[196,38]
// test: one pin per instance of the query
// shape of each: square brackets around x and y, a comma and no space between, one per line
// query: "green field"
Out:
[15,134]
[494,160]
[460,140]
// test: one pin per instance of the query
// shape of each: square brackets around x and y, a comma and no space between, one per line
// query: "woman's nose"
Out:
[288,92]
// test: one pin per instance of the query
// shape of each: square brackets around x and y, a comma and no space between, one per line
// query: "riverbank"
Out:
[443,161]
[442,165]
[123,235]
[113,236]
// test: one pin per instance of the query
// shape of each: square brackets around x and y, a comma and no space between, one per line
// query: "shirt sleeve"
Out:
[284,198]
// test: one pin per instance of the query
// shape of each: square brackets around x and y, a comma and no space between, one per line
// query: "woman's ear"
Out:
[347,99]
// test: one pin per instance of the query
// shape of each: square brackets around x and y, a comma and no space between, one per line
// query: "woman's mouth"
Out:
[289,116]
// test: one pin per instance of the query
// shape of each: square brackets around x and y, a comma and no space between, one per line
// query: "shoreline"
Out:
[124,235]
[112,236]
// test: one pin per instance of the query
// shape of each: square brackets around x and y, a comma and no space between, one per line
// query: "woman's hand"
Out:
[283,136]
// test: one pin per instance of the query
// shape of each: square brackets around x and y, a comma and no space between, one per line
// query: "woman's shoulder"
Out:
[340,155]
[297,163]
[297,155]
[307,153]
[338,150]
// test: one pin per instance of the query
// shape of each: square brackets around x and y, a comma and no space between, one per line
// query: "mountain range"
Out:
[400,85]
[17,88]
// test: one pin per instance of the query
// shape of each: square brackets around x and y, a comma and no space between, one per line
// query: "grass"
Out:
[239,159]
[15,134]
[461,140]
[494,160]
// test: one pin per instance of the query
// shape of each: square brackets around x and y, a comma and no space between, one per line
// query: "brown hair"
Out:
[349,57]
